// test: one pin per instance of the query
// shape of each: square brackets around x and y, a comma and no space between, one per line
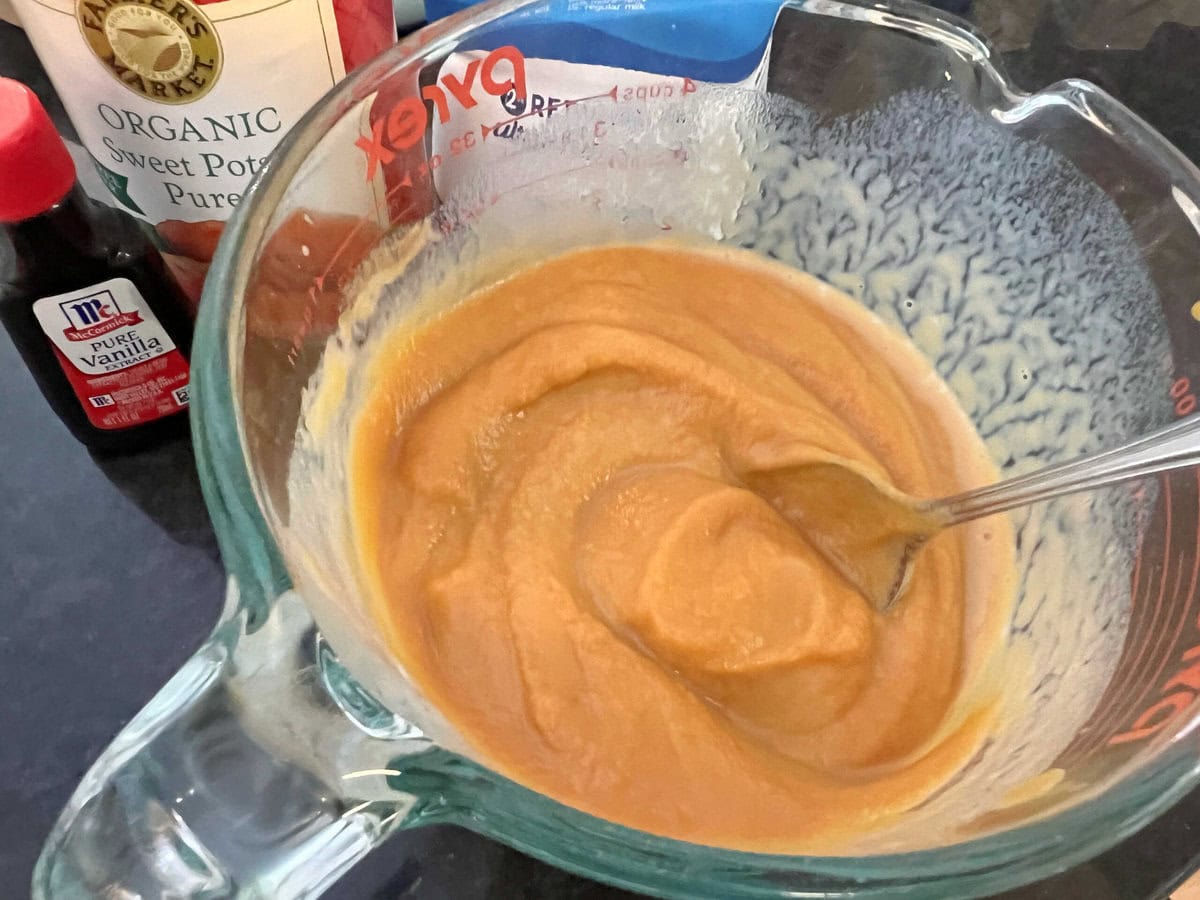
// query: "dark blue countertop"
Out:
[110,577]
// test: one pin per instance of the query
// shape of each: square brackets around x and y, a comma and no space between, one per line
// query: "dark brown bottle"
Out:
[84,295]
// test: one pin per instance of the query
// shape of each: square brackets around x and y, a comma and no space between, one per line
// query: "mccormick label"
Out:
[121,363]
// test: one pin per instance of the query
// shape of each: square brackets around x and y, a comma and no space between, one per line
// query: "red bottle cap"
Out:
[36,171]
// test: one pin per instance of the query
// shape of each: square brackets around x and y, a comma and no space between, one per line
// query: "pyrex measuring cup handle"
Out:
[251,774]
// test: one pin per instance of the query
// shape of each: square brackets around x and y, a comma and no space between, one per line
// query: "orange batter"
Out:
[554,508]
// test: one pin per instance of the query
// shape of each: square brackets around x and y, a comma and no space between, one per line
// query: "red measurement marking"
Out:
[1185,400]
[462,143]
[1180,690]
[1158,716]
[1191,593]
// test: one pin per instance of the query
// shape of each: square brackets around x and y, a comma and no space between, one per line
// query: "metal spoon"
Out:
[876,541]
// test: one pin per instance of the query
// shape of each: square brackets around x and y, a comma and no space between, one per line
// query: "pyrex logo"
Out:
[88,311]
[405,123]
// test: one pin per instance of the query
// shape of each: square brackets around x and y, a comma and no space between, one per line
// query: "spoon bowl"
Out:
[866,529]
[872,533]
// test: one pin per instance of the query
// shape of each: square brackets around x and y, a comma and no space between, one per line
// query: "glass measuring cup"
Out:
[880,150]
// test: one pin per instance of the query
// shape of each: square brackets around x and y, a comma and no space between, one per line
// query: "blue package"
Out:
[714,40]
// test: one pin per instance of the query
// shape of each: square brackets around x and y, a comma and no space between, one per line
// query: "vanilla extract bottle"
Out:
[84,295]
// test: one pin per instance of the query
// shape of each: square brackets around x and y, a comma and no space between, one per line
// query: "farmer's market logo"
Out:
[164,50]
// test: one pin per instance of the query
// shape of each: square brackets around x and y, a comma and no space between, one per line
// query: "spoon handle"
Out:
[1173,447]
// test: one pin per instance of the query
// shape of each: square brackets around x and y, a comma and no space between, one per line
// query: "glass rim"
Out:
[1049,844]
